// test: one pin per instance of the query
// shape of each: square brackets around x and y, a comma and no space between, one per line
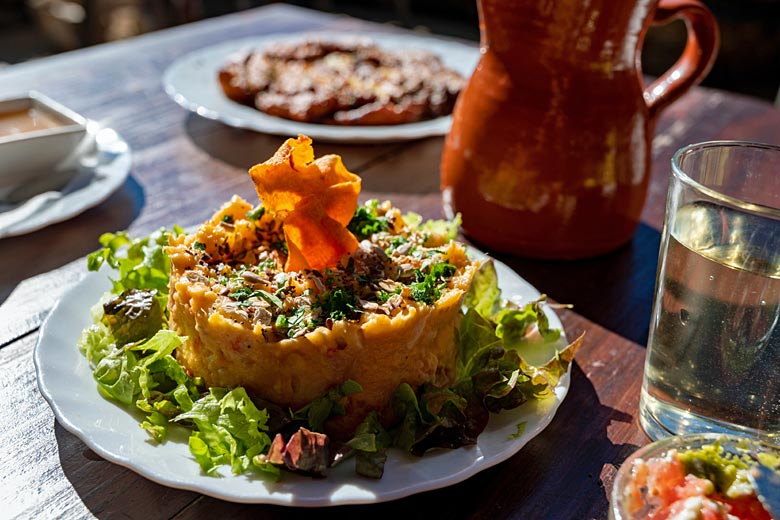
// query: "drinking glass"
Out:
[713,354]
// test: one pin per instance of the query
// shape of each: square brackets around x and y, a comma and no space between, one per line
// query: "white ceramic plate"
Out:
[192,82]
[101,174]
[65,380]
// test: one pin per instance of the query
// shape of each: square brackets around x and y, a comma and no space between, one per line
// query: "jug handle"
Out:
[697,58]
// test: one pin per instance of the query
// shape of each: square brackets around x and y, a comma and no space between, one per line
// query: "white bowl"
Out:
[38,156]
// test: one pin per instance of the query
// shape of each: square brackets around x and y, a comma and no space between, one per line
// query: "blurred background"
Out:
[748,63]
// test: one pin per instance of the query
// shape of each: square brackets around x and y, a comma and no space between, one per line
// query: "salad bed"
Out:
[131,352]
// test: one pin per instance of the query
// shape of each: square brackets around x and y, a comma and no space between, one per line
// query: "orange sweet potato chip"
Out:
[315,198]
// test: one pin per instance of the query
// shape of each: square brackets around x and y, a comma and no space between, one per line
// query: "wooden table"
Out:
[185,166]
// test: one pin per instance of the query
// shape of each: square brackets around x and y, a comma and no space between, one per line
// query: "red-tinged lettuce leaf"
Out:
[134,315]
[496,379]
[458,423]
[439,418]
[280,419]
[275,453]
[306,452]
[492,373]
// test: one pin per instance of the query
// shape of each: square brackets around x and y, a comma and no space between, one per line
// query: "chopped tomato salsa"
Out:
[694,485]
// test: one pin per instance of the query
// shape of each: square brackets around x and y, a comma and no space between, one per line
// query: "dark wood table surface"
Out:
[185,166]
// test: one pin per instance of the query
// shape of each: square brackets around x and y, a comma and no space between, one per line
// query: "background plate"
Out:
[65,380]
[192,82]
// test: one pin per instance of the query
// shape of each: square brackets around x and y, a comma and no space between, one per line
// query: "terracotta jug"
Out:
[549,151]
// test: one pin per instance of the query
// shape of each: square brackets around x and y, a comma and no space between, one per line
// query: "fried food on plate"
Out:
[350,82]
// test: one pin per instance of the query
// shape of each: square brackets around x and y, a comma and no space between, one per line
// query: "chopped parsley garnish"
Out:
[427,288]
[228,219]
[339,304]
[200,246]
[296,322]
[243,294]
[256,213]
[396,242]
[383,295]
[281,322]
[281,246]
[366,222]
[267,264]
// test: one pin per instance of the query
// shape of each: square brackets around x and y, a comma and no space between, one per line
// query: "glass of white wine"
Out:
[713,354]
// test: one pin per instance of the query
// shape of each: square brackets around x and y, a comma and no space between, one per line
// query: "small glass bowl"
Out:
[743,447]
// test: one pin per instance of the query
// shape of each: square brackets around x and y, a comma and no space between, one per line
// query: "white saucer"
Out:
[100,173]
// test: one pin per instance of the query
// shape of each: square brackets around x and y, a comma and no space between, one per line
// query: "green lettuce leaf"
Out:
[141,262]
[228,429]
[117,376]
[370,443]
[438,231]
[365,222]
[406,408]
[326,406]
[95,343]
[484,296]
[441,231]
[475,333]
[143,374]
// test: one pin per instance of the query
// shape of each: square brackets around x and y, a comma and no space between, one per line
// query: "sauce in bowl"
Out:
[28,120]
